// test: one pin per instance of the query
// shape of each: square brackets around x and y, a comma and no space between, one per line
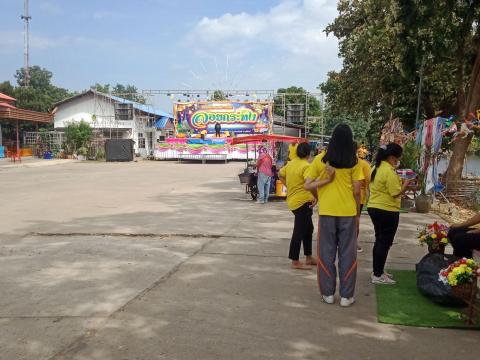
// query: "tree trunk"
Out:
[455,166]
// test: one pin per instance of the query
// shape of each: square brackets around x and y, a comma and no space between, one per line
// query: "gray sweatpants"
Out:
[337,233]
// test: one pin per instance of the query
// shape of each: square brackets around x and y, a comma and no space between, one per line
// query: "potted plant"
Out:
[462,277]
[423,201]
[82,153]
[435,236]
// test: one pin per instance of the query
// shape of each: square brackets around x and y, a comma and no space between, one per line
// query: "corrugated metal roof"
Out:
[142,107]
[6,97]
[162,122]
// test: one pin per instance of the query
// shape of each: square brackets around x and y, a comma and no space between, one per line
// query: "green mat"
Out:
[402,304]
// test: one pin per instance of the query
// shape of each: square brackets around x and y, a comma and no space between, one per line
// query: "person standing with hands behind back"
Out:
[386,190]
[300,202]
[337,177]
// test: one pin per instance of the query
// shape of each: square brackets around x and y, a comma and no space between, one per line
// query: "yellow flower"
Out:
[444,241]
[470,262]
[434,236]
[468,270]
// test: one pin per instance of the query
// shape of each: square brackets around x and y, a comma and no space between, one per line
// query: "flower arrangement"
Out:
[435,236]
[463,271]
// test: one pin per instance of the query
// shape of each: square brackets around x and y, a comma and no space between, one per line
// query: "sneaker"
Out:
[384,280]
[259,202]
[389,275]
[386,274]
[346,302]
[359,249]
[328,299]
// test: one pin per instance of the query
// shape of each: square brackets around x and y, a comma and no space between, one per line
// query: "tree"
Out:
[218,95]
[296,95]
[385,43]
[129,92]
[77,135]
[7,88]
[41,94]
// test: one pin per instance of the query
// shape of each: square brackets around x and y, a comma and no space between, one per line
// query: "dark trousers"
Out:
[217,133]
[385,224]
[302,232]
[463,243]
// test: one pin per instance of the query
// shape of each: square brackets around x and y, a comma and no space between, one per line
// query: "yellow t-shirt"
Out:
[386,184]
[292,151]
[336,198]
[295,173]
[367,172]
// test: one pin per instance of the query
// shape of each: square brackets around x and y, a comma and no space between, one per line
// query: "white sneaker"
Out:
[383,280]
[260,202]
[346,302]
[389,275]
[328,299]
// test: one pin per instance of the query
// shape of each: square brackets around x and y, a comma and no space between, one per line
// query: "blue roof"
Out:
[162,122]
[142,107]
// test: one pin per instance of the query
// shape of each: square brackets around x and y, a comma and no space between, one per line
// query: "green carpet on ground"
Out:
[402,304]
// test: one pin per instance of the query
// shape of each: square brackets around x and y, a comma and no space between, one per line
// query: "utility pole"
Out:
[419,99]
[26,18]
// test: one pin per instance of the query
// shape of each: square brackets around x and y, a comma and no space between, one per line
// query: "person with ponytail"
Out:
[336,176]
[386,190]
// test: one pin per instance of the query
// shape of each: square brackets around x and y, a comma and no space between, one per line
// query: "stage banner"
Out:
[234,117]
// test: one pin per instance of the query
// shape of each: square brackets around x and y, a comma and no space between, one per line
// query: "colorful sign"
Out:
[234,117]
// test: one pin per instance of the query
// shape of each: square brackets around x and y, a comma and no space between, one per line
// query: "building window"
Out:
[141,141]
[123,111]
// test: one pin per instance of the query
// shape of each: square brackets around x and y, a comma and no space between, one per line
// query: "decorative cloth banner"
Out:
[429,138]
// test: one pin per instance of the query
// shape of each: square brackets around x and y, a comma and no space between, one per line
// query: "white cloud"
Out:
[295,26]
[289,35]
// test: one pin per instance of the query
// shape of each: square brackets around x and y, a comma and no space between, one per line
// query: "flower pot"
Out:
[465,291]
[422,203]
[438,249]
[406,203]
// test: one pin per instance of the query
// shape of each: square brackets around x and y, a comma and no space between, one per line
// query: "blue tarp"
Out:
[2,151]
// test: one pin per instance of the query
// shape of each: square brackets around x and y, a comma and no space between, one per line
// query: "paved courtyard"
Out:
[160,260]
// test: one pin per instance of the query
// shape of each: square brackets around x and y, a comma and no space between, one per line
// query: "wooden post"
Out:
[18,139]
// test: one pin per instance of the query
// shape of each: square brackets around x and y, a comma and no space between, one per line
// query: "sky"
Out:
[171,44]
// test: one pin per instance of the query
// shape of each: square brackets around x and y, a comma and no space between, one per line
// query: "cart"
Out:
[249,176]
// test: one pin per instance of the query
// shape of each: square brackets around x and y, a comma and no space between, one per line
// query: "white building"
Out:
[115,117]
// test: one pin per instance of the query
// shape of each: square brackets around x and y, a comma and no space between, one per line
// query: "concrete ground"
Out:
[160,260]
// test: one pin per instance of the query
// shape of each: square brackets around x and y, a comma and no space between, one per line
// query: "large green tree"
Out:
[296,95]
[41,94]
[385,44]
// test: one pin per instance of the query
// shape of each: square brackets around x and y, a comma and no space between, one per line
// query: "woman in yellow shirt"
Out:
[300,202]
[384,207]
[337,177]
[367,171]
